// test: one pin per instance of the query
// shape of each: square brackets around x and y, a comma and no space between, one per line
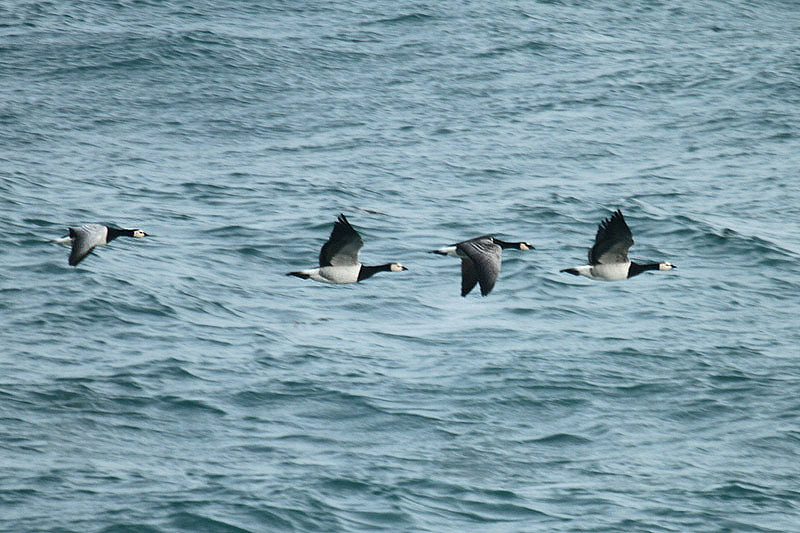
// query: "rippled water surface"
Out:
[182,382]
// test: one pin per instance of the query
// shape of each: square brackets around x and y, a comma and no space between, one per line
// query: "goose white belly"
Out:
[335,274]
[608,272]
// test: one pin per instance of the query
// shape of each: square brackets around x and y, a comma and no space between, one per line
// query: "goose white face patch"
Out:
[524,246]
[139,233]
[665,266]
[396,267]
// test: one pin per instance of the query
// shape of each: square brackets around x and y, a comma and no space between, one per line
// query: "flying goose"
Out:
[86,237]
[338,259]
[480,260]
[608,258]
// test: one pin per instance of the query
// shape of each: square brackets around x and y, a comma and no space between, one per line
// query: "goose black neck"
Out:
[369,271]
[504,244]
[635,269]
[113,233]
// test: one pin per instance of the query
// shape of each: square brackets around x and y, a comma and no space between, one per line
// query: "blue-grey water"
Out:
[182,382]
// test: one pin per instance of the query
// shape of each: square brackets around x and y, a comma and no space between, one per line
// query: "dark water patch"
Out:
[126,310]
[272,517]
[475,505]
[561,439]
[260,398]
[410,18]
[339,405]
[794,435]
[374,521]
[729,243]
[259,449]
[732,377]
[542,48]
[39,222]
[630,524]
[305,440]
[423,485]
[253,251]
[192,521]
[781,445]
[741,351]
[167,368]
[232,231]
[347,485]
[131,528]
[504,512]
[75,397]
[177,404]
[736,490]
[361,36]
[211,188]
[125,381]
[17,496]
[702,409]
[411,339]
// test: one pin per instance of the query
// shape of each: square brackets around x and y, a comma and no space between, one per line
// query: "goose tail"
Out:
[447,250]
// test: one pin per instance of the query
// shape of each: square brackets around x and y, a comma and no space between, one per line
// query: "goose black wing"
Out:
[482,264]
[612,241]
[343,245]
[469,277]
